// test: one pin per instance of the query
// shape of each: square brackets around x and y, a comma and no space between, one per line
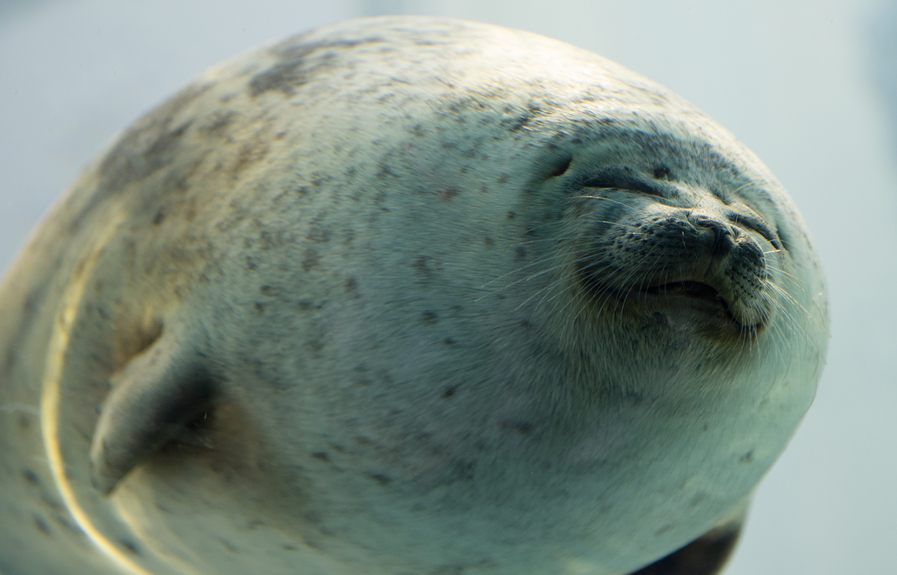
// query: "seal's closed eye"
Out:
[625,179]
[756,224]
[158,393]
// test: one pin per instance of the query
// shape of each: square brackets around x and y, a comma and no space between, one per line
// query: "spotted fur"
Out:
[405,295]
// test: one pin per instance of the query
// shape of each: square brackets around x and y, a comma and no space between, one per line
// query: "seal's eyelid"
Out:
[757,225]
[623,180]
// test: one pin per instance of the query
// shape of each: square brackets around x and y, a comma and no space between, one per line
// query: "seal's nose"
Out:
[722,235]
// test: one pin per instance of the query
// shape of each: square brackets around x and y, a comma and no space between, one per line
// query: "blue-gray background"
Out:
[810,86]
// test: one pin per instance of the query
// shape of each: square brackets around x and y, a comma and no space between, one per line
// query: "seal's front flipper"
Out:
[156,394]
[706,555]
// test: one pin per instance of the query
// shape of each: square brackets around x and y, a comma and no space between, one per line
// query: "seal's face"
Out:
[412,296]
[692,251]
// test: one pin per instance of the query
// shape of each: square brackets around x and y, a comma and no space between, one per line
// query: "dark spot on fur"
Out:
[384,172]
[448,341]
[23,422]
[217,121]
[249,154]
[287,547]
[747,457]
[316,345]
[159,217]
[311,259]
[662,172]
[488,241]
[512,215]
[503,179]
[31,477]
[65,523]
[322,455]
[429,317]
[144,149]
[227,544]
[259,308]
[525,324]
[520,253]
[41,525]
[517,123]
[298,64]
[381,479]
[351,286]
[464,471]
[425,268]
[130,547]
[448,194]
[449,392]
[521,427]
[319,234]
[697,499]
[313,516]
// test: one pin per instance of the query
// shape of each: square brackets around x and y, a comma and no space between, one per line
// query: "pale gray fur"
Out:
[352,256]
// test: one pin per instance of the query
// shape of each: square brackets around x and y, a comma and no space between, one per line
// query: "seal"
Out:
[405,295]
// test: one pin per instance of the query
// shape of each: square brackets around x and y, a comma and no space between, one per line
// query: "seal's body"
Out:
[405,295]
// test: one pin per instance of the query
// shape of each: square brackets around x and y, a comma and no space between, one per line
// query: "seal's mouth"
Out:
[692,289]
[696,301]
[696,295]
[693,296]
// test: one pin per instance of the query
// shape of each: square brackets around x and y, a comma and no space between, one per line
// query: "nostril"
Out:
[723,233]
[721,229]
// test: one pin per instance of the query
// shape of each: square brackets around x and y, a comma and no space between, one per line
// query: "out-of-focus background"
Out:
[810,86]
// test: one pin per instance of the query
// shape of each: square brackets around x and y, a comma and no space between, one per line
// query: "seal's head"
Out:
[417,295]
